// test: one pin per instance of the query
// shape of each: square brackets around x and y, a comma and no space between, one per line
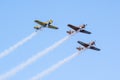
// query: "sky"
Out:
[102,19]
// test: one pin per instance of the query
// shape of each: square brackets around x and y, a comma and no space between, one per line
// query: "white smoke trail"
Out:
[32,59]
[54,67]
[20,43]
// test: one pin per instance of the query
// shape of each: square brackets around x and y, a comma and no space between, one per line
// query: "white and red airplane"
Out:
[81,28]
[89,45]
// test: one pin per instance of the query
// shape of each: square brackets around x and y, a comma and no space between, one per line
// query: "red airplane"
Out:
[78,29]
[88,45]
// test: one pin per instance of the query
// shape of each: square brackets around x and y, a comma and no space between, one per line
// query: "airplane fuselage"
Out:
[40,26]
[79,30]
[90,44]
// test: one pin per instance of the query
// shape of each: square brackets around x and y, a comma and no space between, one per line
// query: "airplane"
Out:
[78,29]
[88,45]
[44,24]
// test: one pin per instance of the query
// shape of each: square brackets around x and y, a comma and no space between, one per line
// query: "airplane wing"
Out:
[40,23]
[83,44]
[73,27]
[85,31]
[53,27]
[94,48]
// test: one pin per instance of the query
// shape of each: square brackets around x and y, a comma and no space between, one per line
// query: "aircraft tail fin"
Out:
[79,48]
[50,21]
[70,32]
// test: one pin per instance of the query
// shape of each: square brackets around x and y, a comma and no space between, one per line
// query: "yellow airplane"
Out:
[45,24]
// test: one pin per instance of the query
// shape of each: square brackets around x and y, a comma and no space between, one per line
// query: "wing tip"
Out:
[57,28]
[35,20]
[69,25]
[78,41]
[90,33]
[99,49]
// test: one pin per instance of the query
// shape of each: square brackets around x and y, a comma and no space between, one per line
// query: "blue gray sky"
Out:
[102,19]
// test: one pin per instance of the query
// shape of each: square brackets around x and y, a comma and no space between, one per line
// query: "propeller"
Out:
[50,21]
[94,42]
[84,25]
